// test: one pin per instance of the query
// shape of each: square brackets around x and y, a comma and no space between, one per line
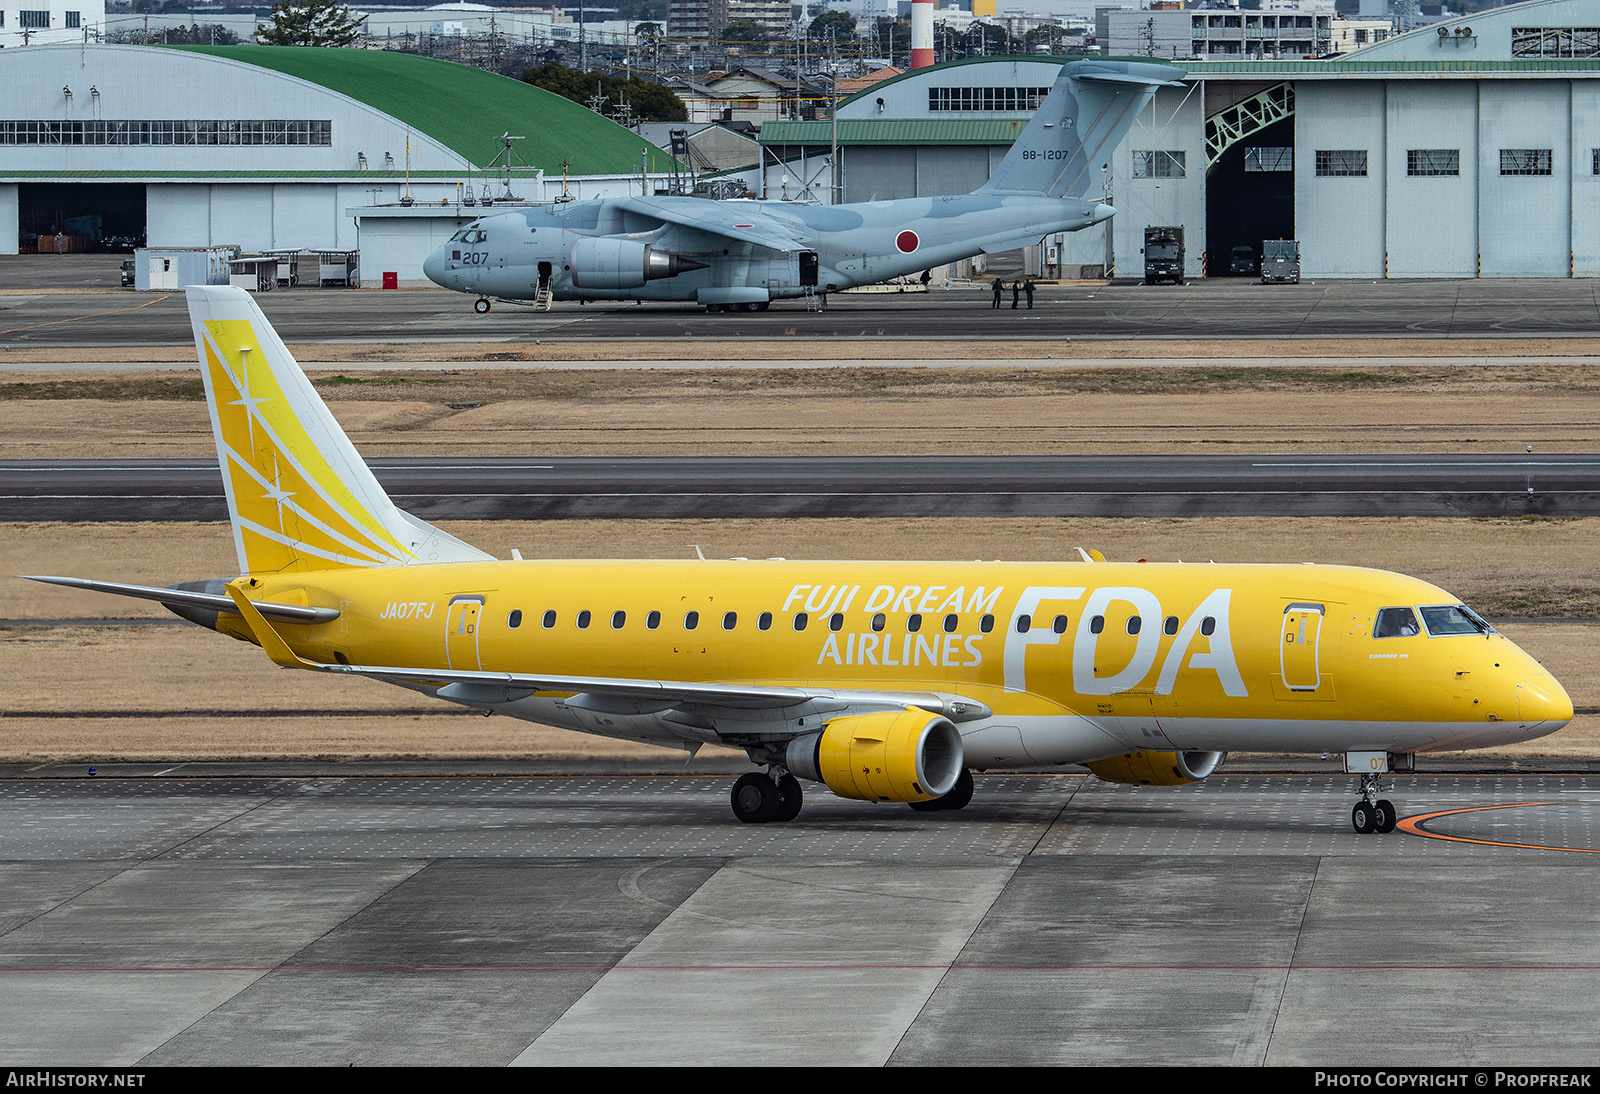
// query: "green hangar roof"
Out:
[465,109]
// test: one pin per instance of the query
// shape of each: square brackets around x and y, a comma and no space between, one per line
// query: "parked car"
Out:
[127,274]
[1242,260]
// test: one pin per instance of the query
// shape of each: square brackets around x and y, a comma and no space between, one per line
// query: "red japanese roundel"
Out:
[907,241]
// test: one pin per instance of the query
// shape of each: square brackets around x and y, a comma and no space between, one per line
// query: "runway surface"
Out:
[340,919]
[1214,309]
[656,487]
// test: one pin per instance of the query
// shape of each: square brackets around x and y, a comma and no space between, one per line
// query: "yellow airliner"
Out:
[886,681]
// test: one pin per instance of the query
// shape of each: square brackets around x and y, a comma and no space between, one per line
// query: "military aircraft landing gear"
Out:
[958,797]
[482,305]
[1372,813]
[758,797]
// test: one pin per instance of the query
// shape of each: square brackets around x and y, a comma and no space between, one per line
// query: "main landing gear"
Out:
[759,797]
[1372,813]
[960,794]
[482,306]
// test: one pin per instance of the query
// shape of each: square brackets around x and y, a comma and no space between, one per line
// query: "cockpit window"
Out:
[1454,619]
[474,235]
[1395,623]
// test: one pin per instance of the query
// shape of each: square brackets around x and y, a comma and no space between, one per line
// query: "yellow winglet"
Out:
[269,639]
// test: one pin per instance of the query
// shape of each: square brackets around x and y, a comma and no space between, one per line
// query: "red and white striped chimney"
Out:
[921,33]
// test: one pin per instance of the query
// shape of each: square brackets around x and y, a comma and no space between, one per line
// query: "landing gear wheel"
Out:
[755,798]
[481,306]
[790,799]
[1384,816]
[752,306]
[957,797]
[1363,818]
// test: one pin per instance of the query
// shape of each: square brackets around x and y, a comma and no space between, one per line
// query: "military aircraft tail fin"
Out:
[299,495]
[1093,104]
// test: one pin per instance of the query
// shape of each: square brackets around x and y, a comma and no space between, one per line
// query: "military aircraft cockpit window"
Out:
[1395,623]
[470,235]
[1454,619]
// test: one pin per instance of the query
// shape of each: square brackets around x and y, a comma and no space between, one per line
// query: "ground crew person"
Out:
[1027,287]
[997,287]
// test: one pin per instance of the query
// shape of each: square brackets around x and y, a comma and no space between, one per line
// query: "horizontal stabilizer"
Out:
[185,598]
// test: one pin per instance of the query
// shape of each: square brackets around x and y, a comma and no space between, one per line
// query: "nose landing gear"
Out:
[1372,813]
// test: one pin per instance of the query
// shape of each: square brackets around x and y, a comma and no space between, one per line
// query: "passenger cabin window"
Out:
[1396,623]
[549,620]
[729,620]
[1096,625]
[913,623]
[1171,625]
[1134,624]
[1208,626]
[835,621]
[618,619]
[691,621]
[986,624]
[1441,619]
[878,622]
[1059,624]
[1024,624]
[652,621]
[800,620]
[515,619]
[949,624]
[583,620]
[764,621]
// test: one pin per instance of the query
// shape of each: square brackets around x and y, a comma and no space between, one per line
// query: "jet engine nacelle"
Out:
[609,262]
[1157,768]
[894,756]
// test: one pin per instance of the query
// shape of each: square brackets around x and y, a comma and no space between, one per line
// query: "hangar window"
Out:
[1268,159]
[1433,161]
[1008,100]
[1341,163]
[33,20]
[1158,165]
[1555,41]
[1594,161]
[1525,161]
[74,20]
[168,132]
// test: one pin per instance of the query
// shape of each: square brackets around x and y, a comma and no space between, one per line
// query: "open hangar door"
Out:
[1250,197]
[100,216]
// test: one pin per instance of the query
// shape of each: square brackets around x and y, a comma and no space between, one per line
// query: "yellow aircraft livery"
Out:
[886,681]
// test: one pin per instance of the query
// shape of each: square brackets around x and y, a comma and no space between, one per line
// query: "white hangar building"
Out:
[274,148]
[1466,149]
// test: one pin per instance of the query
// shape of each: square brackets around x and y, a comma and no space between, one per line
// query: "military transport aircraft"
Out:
[885,681]
[740,255]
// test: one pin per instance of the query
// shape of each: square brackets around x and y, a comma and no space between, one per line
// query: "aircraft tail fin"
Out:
[299,495]
[1080,123]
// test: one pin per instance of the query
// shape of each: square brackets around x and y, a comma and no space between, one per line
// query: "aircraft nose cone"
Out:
[1541,699]
[1103,211]
[437,267]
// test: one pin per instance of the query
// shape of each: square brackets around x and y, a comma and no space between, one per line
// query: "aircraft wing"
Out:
[734,220]
[477,687]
